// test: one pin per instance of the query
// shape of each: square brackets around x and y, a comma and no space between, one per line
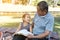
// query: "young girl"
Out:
[24,25]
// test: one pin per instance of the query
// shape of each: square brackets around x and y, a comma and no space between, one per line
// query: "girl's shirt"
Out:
[27,27]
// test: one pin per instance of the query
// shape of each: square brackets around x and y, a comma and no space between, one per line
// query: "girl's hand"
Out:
[13,34]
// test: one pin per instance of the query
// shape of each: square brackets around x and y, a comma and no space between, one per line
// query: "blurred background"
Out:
[11,11]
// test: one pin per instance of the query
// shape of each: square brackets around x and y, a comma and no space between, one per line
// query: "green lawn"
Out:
[10,25]
[57,24]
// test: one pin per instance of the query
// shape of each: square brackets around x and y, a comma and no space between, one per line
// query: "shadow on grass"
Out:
[57,30]
[57,25]
[57,19]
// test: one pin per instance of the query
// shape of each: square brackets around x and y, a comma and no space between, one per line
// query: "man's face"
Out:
[40,12]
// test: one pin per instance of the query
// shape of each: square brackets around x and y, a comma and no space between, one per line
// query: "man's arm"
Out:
[46,33]
[43,35]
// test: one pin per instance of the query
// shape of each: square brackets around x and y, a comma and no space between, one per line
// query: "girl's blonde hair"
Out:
[24,15]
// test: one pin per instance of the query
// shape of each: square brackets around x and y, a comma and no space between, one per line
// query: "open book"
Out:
[24,32]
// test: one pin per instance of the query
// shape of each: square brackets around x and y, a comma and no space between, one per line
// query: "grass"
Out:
[10,25]
[57,25]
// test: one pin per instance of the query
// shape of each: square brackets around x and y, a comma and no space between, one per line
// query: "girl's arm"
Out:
[31,27]
[19,27]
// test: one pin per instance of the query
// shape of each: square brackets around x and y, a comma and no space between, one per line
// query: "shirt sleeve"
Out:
[50,25]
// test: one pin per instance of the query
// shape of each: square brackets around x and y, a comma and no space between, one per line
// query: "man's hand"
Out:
[30,36]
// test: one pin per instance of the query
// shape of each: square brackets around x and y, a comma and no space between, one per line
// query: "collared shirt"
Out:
[42,23]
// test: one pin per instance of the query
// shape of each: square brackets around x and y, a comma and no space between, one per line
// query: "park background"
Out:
[11,12]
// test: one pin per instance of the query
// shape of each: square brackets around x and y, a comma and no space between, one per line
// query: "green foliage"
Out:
[59,2]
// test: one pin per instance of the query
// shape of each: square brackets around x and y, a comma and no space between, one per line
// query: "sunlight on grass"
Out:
[10,25]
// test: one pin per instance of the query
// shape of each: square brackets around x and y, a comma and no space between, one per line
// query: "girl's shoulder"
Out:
[21,23]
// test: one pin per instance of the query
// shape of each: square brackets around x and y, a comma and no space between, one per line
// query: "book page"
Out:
[24,32]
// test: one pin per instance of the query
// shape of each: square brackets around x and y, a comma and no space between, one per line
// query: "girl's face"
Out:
[27,18]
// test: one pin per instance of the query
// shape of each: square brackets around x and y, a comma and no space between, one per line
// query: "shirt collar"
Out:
[44,15]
